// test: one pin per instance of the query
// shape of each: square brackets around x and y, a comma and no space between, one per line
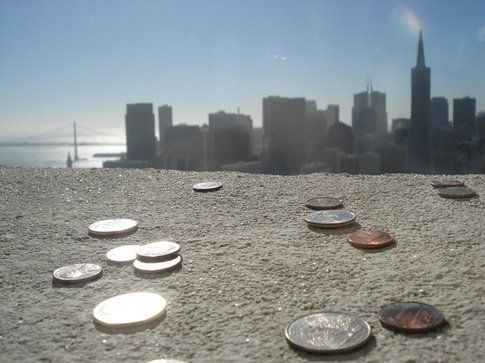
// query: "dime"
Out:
[456,192]
[156,267]
[122,254]
[443,183]
[129,309]
[411,317]
[113,227]
[207,186]
[157,251]
[370,239]
[328,332]
[80,272]
[330,218]
[323,203]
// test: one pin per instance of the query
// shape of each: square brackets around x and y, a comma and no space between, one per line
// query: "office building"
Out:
[164,121]
[369,115]
[140,131]
[464,112]
[480,125]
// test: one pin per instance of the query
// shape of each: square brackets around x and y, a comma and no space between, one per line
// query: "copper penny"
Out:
[323,203]
[157,251]
[443,183]
[413,317]
[330,218]
[328,332]
[456,192]
[370,239]
[80,272]
[207,186]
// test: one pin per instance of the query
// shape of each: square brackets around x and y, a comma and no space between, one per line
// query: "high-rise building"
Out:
[481,124]
[341,136]
[419,129]
[369,115]
[464,111]
[284,131]
[315,132]
[164,121]
[439,112]
[332,114]
[140,131]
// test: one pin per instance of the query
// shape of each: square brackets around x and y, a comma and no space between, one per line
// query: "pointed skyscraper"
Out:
[419,160]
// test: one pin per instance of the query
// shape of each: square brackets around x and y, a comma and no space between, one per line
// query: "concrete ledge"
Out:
[250,266]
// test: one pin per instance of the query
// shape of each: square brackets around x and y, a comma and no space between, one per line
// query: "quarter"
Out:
[207,186]
[370,239]
[319,203]
[443,183]
[122,254]
[157,251]
[130,309]
[156,267]
[113,227]
[456,192]
[328,332]
[411,317]
[80,272]
[330,218]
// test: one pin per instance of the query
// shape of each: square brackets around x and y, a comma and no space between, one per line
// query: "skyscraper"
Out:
[464,112]
[164,121]
[140,131]
[419,128]
[369,115]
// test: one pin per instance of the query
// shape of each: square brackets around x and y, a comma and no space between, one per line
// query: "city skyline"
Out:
[78,61]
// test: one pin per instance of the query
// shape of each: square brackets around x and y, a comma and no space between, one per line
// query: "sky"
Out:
[81,60]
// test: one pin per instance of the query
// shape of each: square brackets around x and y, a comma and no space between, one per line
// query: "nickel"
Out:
[456,192]
[113,227]
[411,317]
[443,183]
[130,309]
[330,332]
[156,267]
[207,186]
[157,251]
[370,239]
[330,218]
[323,203]
[122,254]
[80,272]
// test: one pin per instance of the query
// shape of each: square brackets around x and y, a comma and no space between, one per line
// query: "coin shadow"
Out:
[157,275]
[346,230]
[77,285]
[339,357]
[131,329]
[118,236]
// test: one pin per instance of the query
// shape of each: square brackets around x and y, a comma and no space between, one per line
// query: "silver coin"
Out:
[330,218]
[122,254]
[113,227]
[80,272]
[157,251]
[155,267]
[328,332]
[129,309]
[207,186]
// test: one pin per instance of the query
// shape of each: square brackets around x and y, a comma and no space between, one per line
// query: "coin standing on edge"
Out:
[370,239]
[330,218]
[80,272]
[113,227]
[443,183]
[456,192]
[319,203]
[207,186]
[157,251]
[156,267]
[411,317]
[130,309]
[122,254]
[328,332]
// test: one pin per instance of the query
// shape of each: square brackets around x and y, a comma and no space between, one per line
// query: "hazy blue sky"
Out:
[64,61]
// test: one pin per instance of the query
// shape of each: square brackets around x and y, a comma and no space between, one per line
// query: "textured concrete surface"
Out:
[251,265]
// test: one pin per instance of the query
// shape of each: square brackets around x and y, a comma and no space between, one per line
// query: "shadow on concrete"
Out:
[377,250]
[353,355]
[346,230]
[428,335]
[129,329]
[73,285]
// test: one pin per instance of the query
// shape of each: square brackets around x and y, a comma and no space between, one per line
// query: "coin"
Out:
[207,186]
[166,361]
[370,239]
[411,316]
[122,254]
[155,267]
[80,272]
[129,309]
[330,218]
[157,251]
[443,183]
[328,332]
[113,227]
[456,192]
[323,203]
